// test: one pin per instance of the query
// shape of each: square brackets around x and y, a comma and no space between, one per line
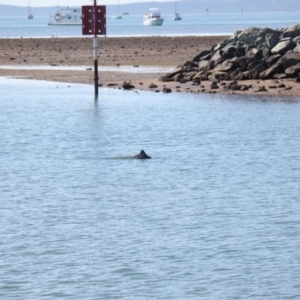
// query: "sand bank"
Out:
[135,52]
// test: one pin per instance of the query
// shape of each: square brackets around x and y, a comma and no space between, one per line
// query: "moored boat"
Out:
[177,16]
[153,18]
[29,14]
[67,17]
[117,15]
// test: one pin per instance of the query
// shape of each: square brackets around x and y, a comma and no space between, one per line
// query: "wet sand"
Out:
[136,52]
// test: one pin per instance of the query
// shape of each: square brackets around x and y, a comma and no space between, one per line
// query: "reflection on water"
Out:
[215,214]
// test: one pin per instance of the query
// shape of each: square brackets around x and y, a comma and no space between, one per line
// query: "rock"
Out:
[272,40]
[127,86]
[203,65]
[269,73]
[282,85]
[255,72]
[280,76]
[230,48]
[244,87]
[234,75]
[293,71]
[296,40]
[259,41]
[283,47]
[235,87]
[244,62]
[291,32]
[250,35]
[178,77]
[262,89]
[166,90]
[290,59]
[253,64]
[254,53]
[152,86]
[89,69]
[297,48]
[200,55]
[226,66]
[214,85]
[297,79]
[273,59]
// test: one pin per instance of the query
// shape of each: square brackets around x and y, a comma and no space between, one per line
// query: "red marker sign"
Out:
[94,20]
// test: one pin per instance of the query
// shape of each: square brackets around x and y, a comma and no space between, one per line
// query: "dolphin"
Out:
[142,155]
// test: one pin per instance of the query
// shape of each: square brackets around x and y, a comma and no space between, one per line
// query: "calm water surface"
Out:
[132,25]
[214,215]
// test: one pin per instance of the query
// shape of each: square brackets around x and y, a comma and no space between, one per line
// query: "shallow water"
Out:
[126,69]
[214,215]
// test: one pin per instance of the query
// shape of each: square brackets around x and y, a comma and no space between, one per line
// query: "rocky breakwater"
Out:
[253,53]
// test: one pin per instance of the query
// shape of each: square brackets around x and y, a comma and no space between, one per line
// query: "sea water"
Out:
[132,25]
[213,215]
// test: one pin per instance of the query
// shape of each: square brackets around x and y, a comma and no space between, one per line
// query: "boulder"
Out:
[202,65]
[272,40]
[255,72]
[273,59]
[254,53]
[280,76]
[230,48]
[226,66]
[166,90]
[200,55]
[177,77]
[293,71]
[217,58]
[290,59]
[244,62]
[152,86]
[259,41]
[269,73]
[290,32]
[216,76]
[214,85]
[296,40]
[297,49]
[128,86]
[283,46]
[253,64]
[234,75]
[249,35]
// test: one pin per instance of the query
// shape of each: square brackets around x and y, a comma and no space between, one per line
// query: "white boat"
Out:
[153,18]
[29,14]
[177,16]
[117,15]
[67,17]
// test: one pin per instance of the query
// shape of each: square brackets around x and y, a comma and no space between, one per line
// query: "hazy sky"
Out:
[69,2]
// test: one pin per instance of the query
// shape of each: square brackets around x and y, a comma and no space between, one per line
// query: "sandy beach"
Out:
[134,52]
